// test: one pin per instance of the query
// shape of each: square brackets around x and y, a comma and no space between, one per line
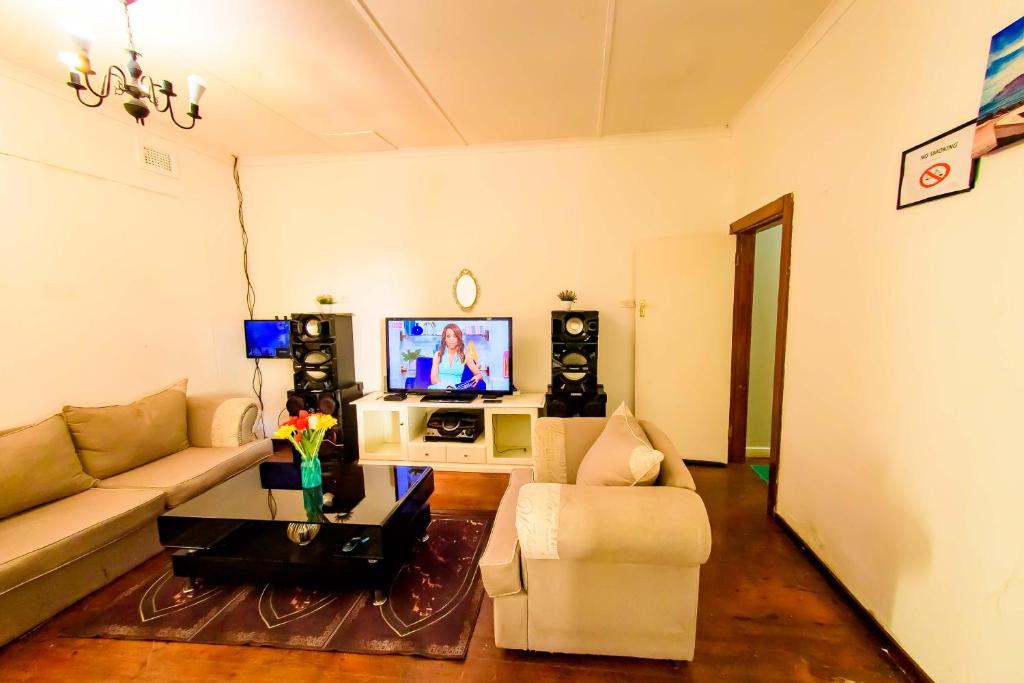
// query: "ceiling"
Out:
[323,76]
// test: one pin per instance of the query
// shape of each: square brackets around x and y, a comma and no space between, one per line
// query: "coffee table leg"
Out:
[379,597]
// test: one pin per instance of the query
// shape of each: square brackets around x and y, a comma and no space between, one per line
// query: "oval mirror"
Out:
[466,290]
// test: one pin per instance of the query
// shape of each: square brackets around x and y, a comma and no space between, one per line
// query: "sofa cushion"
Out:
[188,473]
[46,537]
[114,439]
[673,469]
[499,565]
[621,455]
[38,464]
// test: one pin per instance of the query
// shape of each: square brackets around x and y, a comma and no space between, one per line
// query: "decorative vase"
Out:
[313,503]
[303,533]
[309,468]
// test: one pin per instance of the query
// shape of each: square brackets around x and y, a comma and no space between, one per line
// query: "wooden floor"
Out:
[765,615]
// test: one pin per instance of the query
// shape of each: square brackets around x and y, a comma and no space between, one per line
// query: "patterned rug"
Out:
[431,610]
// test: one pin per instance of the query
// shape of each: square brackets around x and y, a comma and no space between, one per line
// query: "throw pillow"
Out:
[673,469]
[621,455]
[38,464]
[114,439]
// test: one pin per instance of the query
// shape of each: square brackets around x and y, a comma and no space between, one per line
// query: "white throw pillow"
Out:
[621,455]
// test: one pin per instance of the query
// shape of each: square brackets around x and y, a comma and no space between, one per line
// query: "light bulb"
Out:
[82,37]
[71,61]
[196,88]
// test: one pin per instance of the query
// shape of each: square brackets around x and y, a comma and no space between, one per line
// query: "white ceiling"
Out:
[321,76]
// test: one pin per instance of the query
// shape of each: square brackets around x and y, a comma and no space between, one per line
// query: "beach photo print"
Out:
[1001,115]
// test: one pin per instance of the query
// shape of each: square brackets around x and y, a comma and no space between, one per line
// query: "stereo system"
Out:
[574,390]
[453,425]
[324,377]
[322,353]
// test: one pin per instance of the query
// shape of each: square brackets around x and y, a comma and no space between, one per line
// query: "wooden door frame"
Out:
[746,229]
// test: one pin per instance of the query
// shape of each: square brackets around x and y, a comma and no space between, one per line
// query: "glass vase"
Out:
[309,469]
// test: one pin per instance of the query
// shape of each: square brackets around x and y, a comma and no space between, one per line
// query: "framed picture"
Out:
[939,167]
[1001,114]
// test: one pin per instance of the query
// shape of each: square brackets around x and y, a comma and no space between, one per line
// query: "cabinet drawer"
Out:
[427,452]
[472,454]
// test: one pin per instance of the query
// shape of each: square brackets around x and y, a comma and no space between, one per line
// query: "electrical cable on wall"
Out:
[250,294]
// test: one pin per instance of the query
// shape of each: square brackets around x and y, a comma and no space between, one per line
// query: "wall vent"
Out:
[156,160]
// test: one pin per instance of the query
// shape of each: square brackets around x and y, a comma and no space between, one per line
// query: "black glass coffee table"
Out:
[260,525]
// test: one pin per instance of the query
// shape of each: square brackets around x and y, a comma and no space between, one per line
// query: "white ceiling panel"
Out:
[678,65]
[505,70]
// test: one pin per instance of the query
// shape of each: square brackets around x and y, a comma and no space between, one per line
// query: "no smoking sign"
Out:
[937,168]
[933,175]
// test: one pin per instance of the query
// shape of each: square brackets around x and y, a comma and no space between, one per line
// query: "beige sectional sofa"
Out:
[65,532]
[609,570]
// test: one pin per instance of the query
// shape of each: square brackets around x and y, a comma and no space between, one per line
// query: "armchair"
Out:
[605,570]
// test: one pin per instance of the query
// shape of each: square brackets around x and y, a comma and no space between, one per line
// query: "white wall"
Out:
[901,460]
[388,233]
[113,278]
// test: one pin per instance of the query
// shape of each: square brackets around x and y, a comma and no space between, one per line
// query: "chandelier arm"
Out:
[78,93]
[104,88]
[149,92]
[167,102]
[170,110]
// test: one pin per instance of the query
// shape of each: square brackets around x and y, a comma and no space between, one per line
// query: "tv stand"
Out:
[448,398]
[393,432]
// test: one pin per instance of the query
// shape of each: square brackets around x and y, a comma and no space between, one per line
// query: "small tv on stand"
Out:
[449,359]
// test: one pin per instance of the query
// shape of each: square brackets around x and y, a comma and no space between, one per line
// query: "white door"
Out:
[684,303]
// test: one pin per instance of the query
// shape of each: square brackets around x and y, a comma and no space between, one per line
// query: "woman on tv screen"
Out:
[451,361]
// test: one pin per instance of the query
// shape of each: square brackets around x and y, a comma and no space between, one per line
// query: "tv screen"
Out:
[449,355]
[266,339]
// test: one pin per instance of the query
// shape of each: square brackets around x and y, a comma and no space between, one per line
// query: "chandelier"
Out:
[140,91]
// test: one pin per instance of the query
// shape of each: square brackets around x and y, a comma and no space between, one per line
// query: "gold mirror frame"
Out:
[465,272]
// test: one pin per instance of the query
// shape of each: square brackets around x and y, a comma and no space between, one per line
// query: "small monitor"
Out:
[449,355]
[267,339]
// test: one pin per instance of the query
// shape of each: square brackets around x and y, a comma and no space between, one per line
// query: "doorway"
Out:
[760,310]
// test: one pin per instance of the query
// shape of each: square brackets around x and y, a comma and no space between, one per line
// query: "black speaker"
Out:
[322,352]
[573,362]
[342,442]
[574,326]
[560,384]
[566,405]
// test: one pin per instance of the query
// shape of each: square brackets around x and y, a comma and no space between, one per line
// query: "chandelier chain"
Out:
[128,25]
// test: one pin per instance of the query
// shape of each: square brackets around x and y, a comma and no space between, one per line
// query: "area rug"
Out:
[432,606]
[761,471]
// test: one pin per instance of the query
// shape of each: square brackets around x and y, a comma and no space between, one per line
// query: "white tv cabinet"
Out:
[392,431]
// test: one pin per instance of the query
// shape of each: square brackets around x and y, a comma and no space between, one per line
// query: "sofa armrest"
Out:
[658,525]
[500,563]
[218,421]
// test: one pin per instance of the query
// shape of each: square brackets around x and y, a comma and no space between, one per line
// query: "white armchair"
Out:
[596,569]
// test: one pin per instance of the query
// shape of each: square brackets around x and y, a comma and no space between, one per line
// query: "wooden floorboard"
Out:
[766,615]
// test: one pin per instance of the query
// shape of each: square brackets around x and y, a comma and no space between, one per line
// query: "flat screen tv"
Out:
[449,355]
[267,339]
